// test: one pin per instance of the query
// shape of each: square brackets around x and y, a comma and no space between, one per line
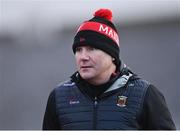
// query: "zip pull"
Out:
[95,101]
[95,113]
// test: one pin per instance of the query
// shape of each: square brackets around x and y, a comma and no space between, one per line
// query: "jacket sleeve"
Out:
[156,115]
[50,121]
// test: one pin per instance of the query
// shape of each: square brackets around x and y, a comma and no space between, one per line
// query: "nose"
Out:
[84,55]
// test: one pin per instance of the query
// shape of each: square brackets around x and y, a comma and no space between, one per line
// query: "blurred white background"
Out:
[35,50]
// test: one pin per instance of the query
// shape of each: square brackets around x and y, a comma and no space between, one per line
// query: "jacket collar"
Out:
[120,82]
[115,83]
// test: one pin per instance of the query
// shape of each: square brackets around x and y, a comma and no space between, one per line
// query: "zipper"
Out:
[95,113]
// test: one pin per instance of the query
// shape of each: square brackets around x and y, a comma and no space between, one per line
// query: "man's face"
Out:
[92,63]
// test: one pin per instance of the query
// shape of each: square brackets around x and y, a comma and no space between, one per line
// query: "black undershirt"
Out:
[94,90]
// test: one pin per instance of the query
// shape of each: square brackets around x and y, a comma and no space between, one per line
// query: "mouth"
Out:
[86,67]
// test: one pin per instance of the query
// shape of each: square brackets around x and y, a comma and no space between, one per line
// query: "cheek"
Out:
[77,60]
[101,57]
[98,61]
[103,61]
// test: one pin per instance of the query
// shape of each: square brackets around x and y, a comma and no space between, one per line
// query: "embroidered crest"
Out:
[121,102]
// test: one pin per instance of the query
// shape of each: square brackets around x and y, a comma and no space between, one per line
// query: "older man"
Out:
[104,93]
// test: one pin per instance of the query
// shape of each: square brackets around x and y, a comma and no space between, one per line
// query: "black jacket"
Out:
[148,112]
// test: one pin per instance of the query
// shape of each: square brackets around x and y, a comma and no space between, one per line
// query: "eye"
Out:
[91,48]
[78,49]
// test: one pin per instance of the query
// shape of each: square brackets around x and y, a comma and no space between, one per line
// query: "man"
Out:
[104,93]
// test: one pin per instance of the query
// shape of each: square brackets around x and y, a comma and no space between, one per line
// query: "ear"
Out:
[113,59]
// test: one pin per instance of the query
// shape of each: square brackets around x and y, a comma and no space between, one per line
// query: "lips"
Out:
[84,67]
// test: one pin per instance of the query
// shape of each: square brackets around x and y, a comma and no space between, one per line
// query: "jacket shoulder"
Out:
[64,90]
[139,82]
[67,83]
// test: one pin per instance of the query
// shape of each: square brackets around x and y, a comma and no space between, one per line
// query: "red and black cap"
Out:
[99,32]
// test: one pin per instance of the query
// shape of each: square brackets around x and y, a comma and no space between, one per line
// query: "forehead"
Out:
[98,51]
[85,46]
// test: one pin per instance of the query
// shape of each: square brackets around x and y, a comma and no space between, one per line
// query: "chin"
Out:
[86,76]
